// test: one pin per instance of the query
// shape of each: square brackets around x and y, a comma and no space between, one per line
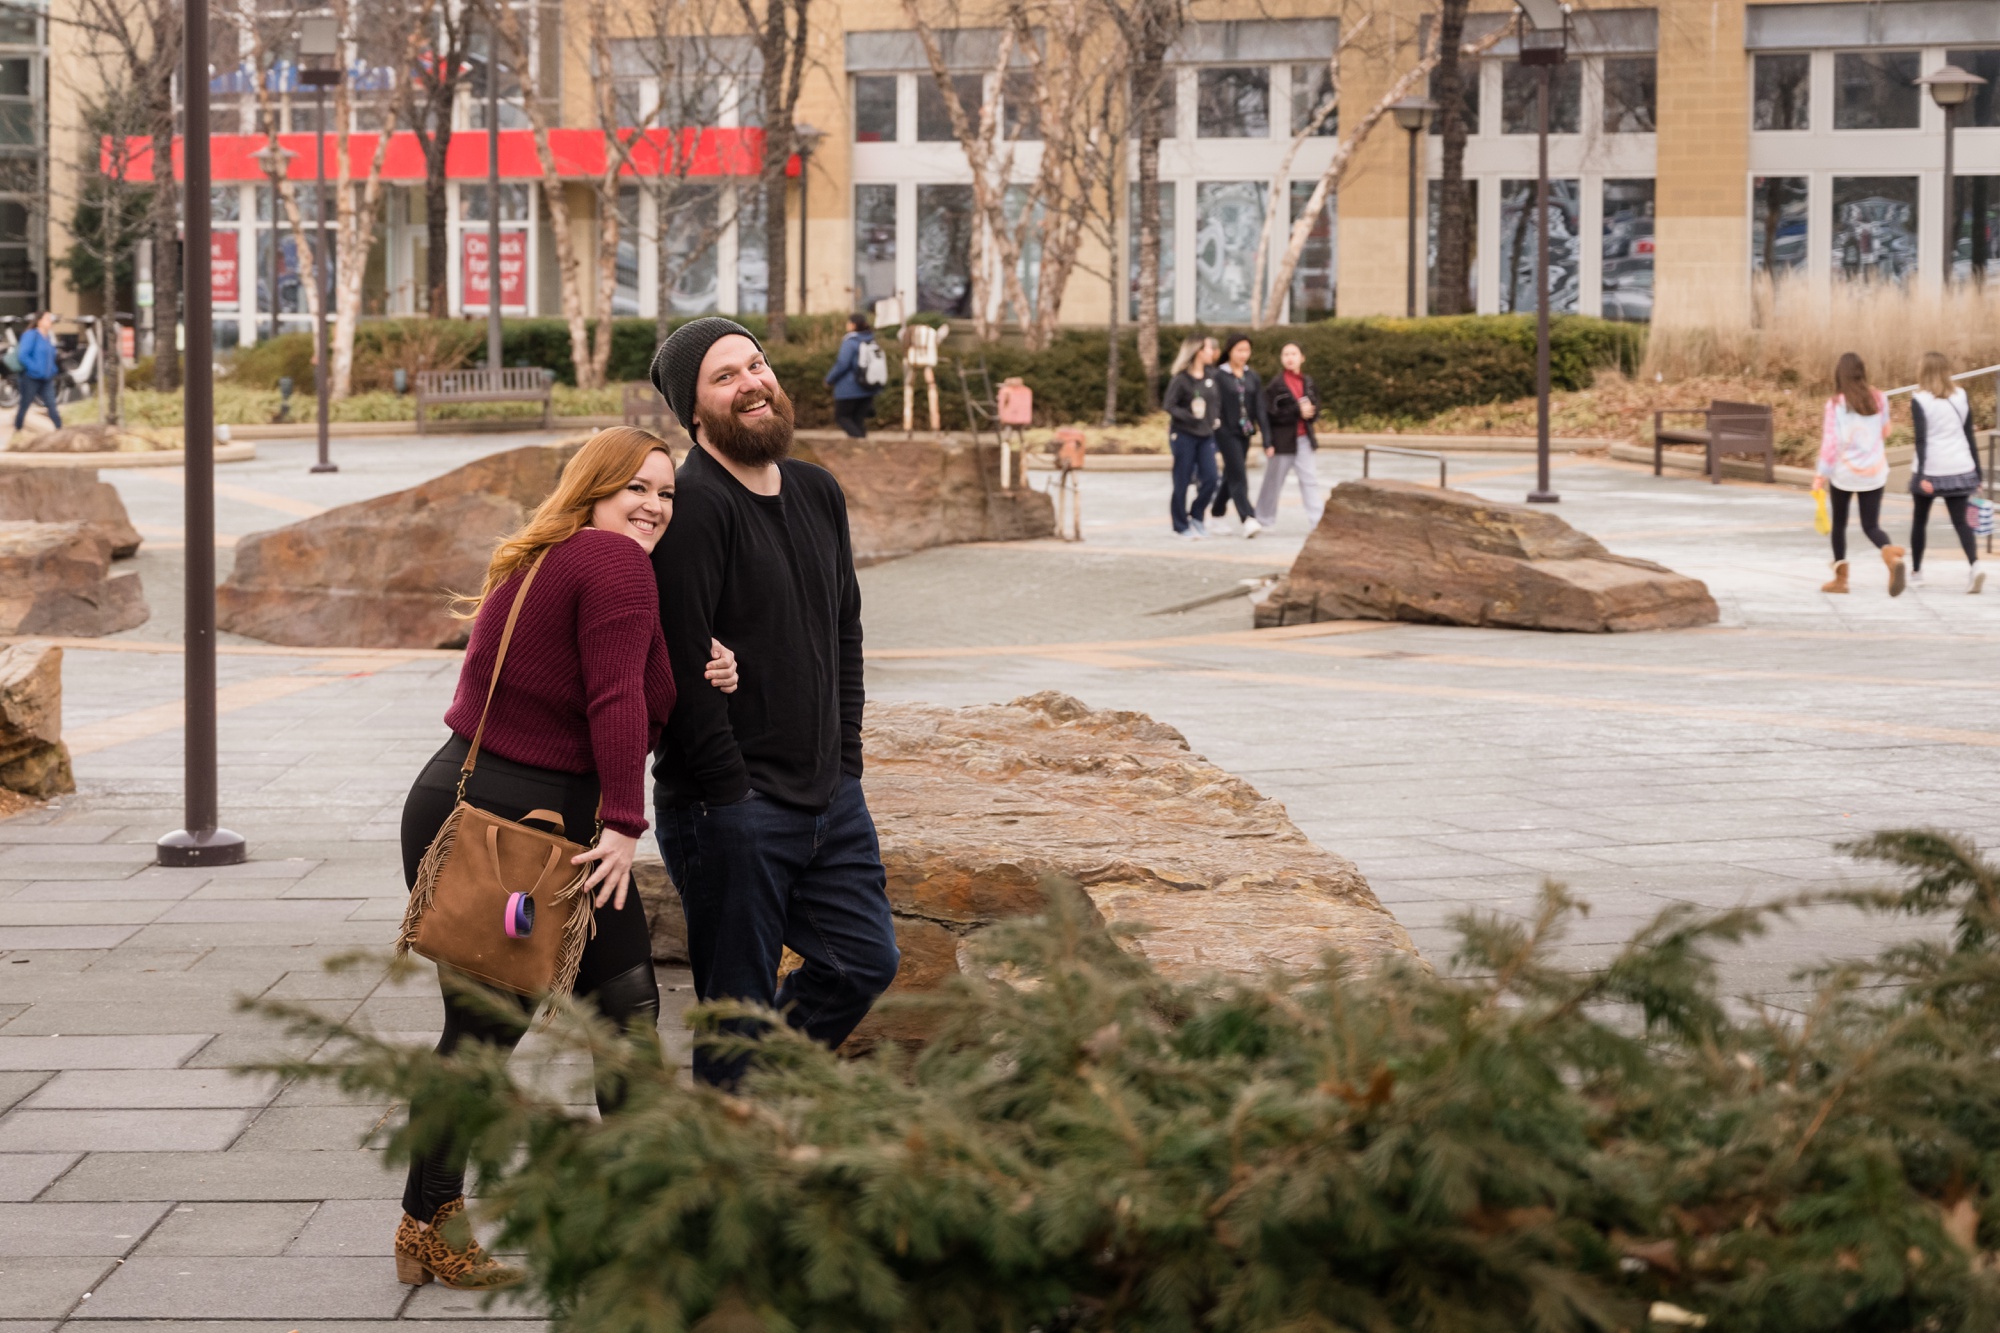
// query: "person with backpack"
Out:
[37,355]
[1946,467]
[859,372]
[1854,465]
[1193,403]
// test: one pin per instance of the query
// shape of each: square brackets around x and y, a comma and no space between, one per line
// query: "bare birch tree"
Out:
[780,29]
[1147,30]
[110,204]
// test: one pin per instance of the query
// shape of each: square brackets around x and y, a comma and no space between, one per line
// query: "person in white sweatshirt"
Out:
[1854,467]
[1946,467]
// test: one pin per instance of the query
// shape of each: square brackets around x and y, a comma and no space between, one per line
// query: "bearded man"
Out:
[758,794]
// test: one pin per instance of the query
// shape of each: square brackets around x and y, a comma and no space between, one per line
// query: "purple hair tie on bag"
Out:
[520,919]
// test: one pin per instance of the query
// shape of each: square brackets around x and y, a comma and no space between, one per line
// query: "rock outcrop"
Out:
[33,759]
[1393,550]
[63,495]
[377,574]
[976,806]
[55,578]
[90,438]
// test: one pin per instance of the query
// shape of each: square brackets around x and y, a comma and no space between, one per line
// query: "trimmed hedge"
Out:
[1367,369]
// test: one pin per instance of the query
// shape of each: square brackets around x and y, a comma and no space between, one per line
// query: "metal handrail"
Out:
[1968,375]
[1368,449]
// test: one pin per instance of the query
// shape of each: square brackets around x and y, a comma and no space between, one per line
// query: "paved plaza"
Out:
[140,1180]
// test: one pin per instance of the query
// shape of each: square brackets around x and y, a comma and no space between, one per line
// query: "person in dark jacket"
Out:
[1291,405]
[853,395]
[1192,403]
[38,370]
[1241,419]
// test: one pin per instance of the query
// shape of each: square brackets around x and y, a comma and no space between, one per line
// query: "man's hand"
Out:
[721,669]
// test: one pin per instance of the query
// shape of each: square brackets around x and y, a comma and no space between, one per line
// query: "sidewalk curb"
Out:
[1743,469]
[1444,444]
[224,453]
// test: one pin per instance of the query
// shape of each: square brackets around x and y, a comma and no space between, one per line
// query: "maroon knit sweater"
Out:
[587,683]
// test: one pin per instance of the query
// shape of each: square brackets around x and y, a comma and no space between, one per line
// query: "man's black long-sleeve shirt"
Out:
[773,578]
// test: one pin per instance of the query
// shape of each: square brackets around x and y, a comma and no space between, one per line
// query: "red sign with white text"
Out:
[223,289]
[513,270]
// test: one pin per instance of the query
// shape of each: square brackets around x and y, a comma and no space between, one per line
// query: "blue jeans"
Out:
[32,389]
[1194,457]
[758,876]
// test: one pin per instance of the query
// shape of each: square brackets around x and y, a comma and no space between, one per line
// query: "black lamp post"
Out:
[276,160]
[319,39]
[493,332]
[1412,114]
[200,843]
[805,138]
[1950,88]
[1544,43]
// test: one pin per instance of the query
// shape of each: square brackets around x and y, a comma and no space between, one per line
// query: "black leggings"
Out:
[1235,476]
[851,415]
[617,970]
[1961,521]
[1871,518]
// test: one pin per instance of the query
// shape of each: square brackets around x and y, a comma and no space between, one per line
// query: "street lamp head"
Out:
[1412,113]
[1545,15]
[806,137]
[1951,86]
[319,38]
[274,158]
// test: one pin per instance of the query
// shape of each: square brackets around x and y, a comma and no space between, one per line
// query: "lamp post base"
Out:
[325,467]
[1543,498]
[212,847]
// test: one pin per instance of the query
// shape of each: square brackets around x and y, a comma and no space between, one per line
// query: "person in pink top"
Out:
[585,691]
[1854,466]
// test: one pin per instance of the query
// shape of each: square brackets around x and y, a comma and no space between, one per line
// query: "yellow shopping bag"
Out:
[1822,520]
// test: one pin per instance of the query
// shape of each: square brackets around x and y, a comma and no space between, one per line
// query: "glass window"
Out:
[1777,224]
[1518,234]
[308,197]
[1436,195]
[1627,288]
[1166,290]
[17,124]
[874,244]
[1875,90]
[1228,220]
[1021,113]
[1312,87]
[1982,109]
[934,117]
[625,294]
[1468,85]
[1629,85]
[1030,267]
[694,225]
[225,203]
[1166,109]
[1313,279]
[15,73]
[291,293]
[17,30]
[13,220]
[1783,93]
[1875,226]
[944,249]
[1519,86]
[875,108]
[753,252]
[472,202]
[1233,102]
[1977,252]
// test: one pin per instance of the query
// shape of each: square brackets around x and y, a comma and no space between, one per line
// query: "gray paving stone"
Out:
[260,1045]
[320,984]
[437,1301]
[120,1131]
[65,937]
[319,1128]
[43,1287]
[130,1052]
[247,1176]
[288,911]
[248,1287]
[140,1089]
[74,1230]
[146,960]
[96,891]
[18,1084]
[24,1176]
[222,1230]
[351,1227]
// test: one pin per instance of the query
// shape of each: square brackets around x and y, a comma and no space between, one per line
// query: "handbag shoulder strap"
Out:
[499,659]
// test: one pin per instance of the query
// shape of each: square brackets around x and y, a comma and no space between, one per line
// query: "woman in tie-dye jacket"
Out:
[1854,464]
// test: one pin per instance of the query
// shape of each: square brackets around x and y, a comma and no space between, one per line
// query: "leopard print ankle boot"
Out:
[448,1251]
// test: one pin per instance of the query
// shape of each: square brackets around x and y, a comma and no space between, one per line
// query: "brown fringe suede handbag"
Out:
[495,899]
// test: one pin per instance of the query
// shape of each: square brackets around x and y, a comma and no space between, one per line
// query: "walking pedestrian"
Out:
[1291,405]
[1947,465]
[1854,466]
[761,815]
[560,736]
[1192,403]
[853,391]
[37,353]
[1241,418]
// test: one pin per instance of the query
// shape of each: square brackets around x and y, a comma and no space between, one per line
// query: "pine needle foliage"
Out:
[1506,1147]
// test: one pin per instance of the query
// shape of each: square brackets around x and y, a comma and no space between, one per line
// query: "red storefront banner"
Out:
[513,270]
[223,289]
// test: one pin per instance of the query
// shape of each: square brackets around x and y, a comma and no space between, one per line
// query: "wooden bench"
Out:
[643,407]
[509,384]
[1744,429]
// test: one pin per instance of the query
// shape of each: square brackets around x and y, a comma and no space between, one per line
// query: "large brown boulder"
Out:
[60,495]
[1393,550]
[92,437]
[976,807]
[55,578]
[33,759]
[377,574]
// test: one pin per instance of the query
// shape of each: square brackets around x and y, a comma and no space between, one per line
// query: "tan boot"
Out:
[1838,583]
[448,1251]
[1899,575]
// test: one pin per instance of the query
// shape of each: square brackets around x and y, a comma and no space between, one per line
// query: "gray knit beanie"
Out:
[677,364]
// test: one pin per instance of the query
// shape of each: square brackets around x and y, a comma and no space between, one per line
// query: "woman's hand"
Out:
[1819,484]
[1308,409]
[1269,452]
[721,669]
[613,875]
[1928,488]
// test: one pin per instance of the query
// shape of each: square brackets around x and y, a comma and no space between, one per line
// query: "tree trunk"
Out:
[1454,233]
[437,232]
[663,276]
[609,224]
[1149,253]
[775,246]
[1111,348]
[112,371]
[166,259]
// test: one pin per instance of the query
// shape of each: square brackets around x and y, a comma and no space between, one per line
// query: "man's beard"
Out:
[756,443]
